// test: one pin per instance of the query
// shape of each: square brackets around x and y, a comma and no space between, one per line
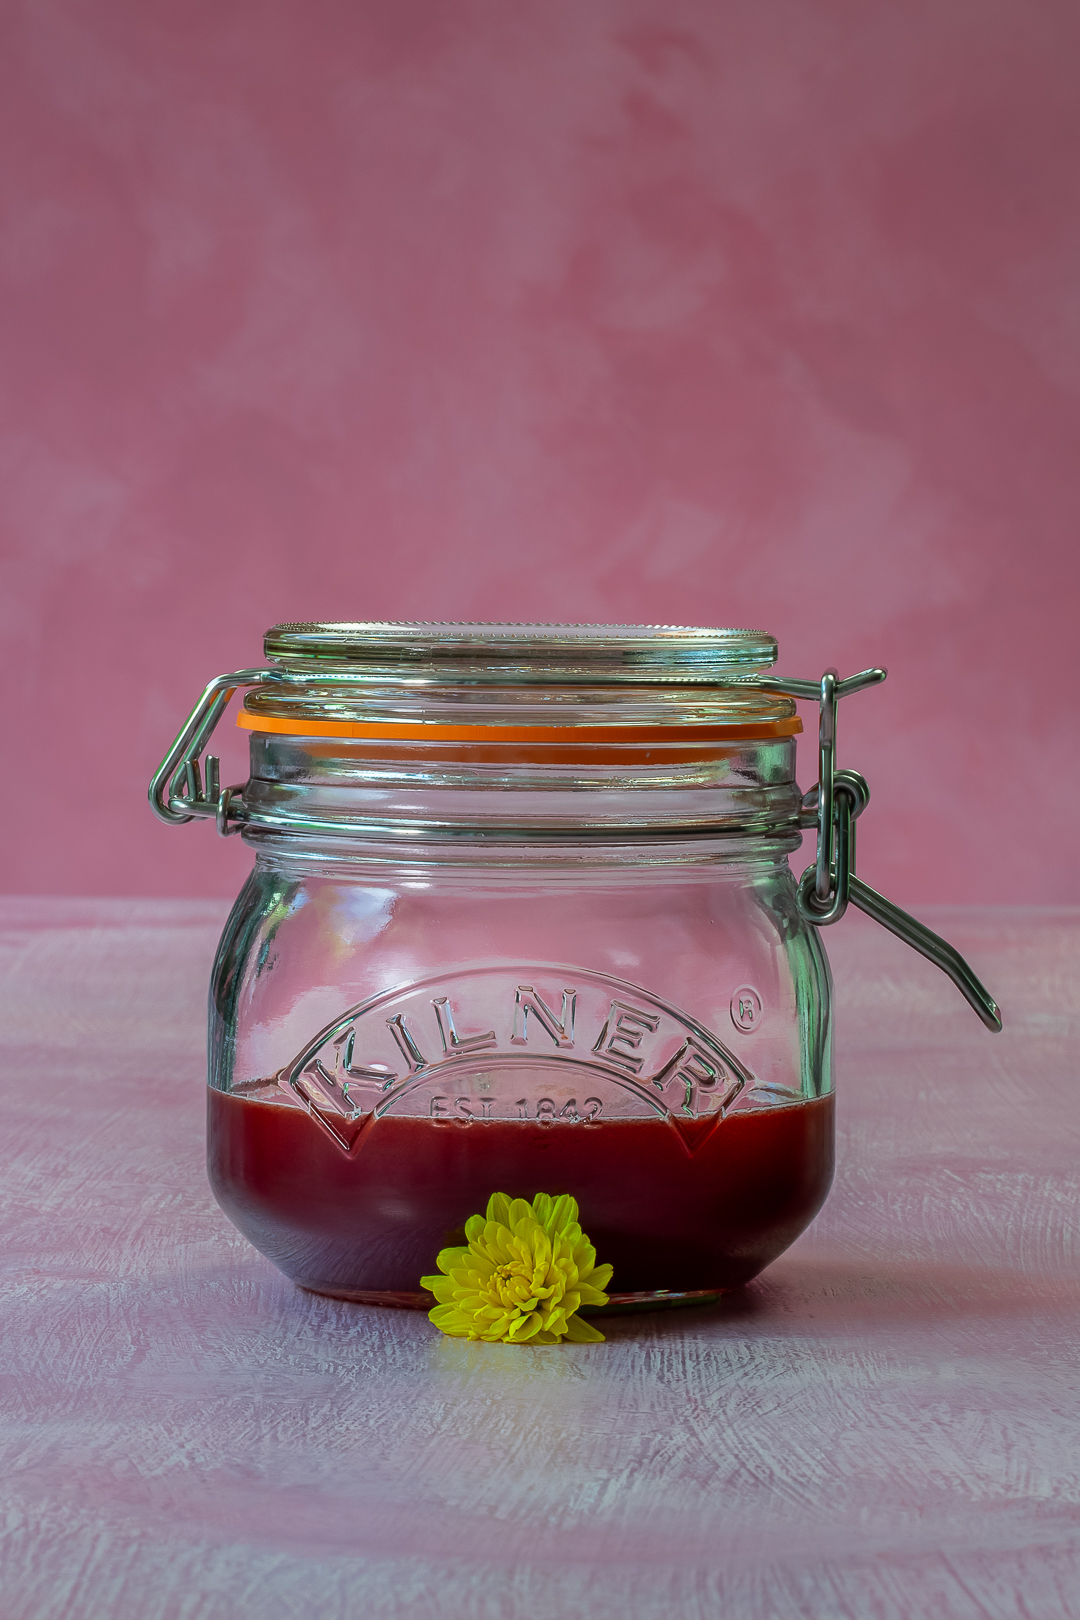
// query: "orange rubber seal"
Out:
[377,731]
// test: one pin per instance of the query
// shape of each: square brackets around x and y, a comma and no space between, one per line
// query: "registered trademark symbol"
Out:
[746,1009]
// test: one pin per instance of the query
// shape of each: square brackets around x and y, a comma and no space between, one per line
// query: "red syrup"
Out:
[370,1225]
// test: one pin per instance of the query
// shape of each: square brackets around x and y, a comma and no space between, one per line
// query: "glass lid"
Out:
[422,654]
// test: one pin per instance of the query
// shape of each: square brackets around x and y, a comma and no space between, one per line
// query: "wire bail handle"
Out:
[833,806]
[181,788]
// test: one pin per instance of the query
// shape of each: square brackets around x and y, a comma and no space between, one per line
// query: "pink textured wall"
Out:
[680,310]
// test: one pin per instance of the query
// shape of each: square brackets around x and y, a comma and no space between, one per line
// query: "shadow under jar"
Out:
[521,920]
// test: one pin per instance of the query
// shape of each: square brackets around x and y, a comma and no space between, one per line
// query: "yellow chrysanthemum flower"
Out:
[525,1272]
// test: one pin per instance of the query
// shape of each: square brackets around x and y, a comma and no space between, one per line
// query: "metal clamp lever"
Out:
[830,885]
[179,789]
[930,945]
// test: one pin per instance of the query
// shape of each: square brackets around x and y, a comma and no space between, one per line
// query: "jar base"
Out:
[652,1299]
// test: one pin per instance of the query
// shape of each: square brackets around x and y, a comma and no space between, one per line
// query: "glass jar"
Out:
[521,920]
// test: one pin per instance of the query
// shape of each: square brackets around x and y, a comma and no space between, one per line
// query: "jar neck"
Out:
[322,793]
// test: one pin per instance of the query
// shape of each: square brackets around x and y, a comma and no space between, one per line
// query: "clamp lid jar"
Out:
[521,921]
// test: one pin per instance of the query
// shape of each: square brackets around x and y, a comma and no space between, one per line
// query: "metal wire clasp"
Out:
[185,785]
[833,806]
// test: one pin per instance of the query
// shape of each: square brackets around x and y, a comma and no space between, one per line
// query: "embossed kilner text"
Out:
[553,1044]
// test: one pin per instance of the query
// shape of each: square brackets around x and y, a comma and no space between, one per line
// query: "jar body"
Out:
[644,1026]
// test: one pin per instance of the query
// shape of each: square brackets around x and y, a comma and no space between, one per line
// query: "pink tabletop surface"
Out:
[884,1425]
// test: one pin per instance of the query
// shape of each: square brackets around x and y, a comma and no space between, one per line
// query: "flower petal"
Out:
[578,1331]
[524,1328]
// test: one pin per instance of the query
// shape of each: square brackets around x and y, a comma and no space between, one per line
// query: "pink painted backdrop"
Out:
[676,310]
